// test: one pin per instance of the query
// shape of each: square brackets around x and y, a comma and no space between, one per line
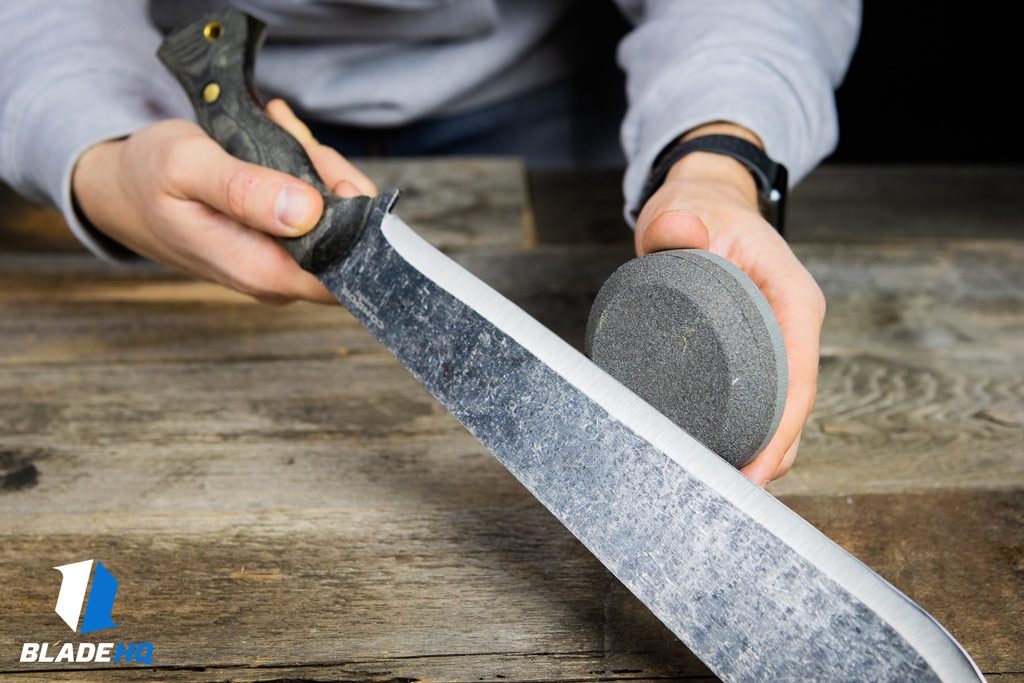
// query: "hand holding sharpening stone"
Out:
[691,334]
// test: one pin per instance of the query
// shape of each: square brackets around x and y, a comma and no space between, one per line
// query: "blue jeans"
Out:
[573,123]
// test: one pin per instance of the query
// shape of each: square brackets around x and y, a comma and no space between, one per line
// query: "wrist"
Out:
[98,201]
[690,159]
[718,171]
[718,168]
[92,179]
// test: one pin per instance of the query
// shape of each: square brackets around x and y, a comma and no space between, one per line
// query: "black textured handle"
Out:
[213,58]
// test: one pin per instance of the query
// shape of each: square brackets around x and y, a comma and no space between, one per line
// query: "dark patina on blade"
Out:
[750,587]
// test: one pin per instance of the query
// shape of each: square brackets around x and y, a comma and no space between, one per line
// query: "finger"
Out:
[789,458]
[344,188]
[768,467]
[260,267]
[281,114]
[261,198]
[801,324]
[764,466]
[221,249]
[331,166]
[672,230]
[778,456]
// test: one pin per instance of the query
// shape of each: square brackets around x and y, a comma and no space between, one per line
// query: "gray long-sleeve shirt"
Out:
[78,72]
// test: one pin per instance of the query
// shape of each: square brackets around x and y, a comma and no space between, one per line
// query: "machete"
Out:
[751,588]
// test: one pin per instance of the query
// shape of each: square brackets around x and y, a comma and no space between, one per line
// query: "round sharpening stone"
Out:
[692,335]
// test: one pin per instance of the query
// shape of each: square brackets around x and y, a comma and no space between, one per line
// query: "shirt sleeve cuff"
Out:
[92,239]
[749,94]
[108,106]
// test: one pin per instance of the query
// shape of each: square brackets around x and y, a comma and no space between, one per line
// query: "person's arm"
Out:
[76,72]
[763,71]
[172,194]
[88,123]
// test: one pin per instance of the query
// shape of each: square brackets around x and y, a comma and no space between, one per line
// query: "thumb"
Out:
[672,229]
[261,198]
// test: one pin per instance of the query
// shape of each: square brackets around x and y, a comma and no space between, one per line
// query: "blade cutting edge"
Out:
[751,587]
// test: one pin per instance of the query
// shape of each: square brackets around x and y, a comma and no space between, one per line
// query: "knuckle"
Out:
[176,159]
[822,303]
[237,189]
[171,158]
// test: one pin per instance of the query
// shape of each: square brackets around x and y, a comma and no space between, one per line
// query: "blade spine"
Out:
[845,570]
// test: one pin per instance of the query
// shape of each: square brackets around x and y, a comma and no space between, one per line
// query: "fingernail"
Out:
[291,208]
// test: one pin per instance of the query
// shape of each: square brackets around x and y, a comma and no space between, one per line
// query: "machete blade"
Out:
[755,591]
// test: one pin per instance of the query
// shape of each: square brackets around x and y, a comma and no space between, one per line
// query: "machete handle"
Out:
[213,58]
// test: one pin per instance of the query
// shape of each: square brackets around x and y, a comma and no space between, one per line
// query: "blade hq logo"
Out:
[72,596]
[73,588]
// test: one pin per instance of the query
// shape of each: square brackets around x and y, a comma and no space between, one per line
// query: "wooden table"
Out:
[280,500]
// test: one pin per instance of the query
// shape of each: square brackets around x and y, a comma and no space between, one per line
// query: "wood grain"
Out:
[497,589]
[921,381]
[872,204]
[281,501]
[836,203]
[921,384]
[27,226]
[454,203]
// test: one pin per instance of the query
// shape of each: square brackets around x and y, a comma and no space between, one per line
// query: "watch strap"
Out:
[771,178]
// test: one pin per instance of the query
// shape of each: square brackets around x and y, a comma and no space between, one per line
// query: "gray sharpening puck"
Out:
[692,335]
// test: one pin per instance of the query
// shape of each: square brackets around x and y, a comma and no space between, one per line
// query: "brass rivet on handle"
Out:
[211,92]
[212,31]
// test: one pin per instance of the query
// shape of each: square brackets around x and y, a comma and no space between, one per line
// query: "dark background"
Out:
[933,82]
[929,82]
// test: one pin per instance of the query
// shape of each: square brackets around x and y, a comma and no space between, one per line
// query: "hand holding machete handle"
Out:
[213,59]
[752,589]
[732,406]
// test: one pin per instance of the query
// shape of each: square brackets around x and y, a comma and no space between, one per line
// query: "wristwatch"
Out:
[772,178]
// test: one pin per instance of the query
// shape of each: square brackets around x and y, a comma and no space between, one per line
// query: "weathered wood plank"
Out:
[398,587]
[25,226]
[834,204]
[245,589]
[921,297]
[252,473]
[959,554]
[277,401]
[460,203]
[578,207]
[513,668]
[921,381]
[454,203]
[865,203]
[200,474]
[186,429]
[929,296]
[886,424]
[76,309]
